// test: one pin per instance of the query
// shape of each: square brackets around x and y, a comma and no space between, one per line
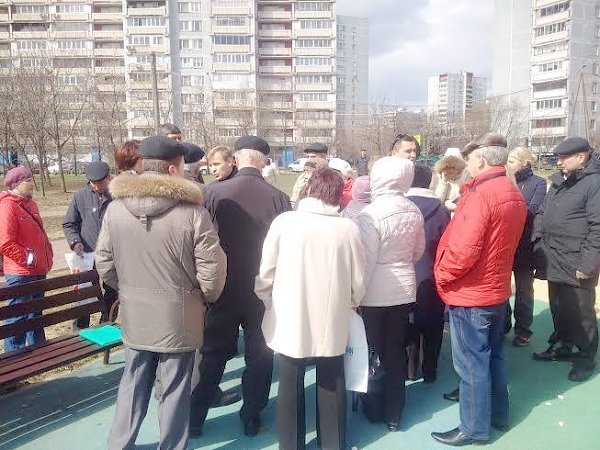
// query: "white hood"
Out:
[391,176]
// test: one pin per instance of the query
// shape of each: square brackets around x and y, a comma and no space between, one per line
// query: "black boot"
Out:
[452,396]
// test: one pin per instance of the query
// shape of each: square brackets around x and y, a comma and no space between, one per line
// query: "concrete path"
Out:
[547,410]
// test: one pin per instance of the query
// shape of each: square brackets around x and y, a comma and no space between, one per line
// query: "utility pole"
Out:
[155,93]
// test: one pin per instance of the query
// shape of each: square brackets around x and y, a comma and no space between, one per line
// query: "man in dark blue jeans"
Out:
[472,272]
[31,337]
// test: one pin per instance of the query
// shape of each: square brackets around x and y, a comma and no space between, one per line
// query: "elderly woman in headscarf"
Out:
[361,197]
[451,173]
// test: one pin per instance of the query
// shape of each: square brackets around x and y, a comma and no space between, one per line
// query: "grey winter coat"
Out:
[568,224]
[158,247]
[84,218]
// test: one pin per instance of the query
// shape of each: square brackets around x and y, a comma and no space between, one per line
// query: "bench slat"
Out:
[50,319]
[47,365]
[51,301]
[6,358]
[49,284]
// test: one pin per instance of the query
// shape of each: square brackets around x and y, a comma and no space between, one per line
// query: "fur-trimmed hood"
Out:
[448,162]
[150,193]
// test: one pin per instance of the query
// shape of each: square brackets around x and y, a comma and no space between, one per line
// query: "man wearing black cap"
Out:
[157,245]
[192,159]
[568,228]
[83,220]
[242,209]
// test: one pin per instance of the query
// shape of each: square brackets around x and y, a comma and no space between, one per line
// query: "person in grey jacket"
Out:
[568,228]
[82,222]
[158,247]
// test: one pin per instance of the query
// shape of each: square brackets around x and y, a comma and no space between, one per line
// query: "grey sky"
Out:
[413,39]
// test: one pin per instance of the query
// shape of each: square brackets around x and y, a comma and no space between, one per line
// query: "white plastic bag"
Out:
[356,359]
[78,264]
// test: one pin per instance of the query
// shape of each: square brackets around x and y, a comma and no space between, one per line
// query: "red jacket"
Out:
[475,255]
[346,193]
[22,231]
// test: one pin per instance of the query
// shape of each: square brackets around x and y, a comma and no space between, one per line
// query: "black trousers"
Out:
[110,295]
[222,323]
[331,402]
[429,340]
[523,301]
[574,318]
[386,328]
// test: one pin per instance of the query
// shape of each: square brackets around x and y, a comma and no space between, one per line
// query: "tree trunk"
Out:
[61,172]
[74,157]
[45,170]
[42,183]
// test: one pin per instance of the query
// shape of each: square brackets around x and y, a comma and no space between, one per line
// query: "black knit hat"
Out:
[194,153]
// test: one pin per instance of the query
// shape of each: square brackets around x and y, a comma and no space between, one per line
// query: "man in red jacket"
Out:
[472,272]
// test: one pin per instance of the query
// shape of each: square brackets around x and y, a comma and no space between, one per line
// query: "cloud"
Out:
[411,40]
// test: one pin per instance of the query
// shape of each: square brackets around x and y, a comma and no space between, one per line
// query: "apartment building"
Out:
[451,95]
[352,71]
[224,67]
[558,56]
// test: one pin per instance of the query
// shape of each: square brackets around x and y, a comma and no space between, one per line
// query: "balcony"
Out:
[330,106]
[160,31]
[548,132]
[108,17]
[548,113]
[147,49]
[552,56]
[321,87]
[70,34]
[559,17]
[327,33]
[313,69]
[3,17]
[108,34]
[71,17]
[5,35]
[231,104]
[275,51]
[312,51]
[27,34]
[537,77]
[275,15]
[71,52]
[158,11]
[553,93]
[233,67]
[276,104]
[561,36]
[116,52]
[231,49]
[275,87]
[275,34]
[5,53]
[314,15]
[275,70]
[230,30]
[230,10]
[33,17]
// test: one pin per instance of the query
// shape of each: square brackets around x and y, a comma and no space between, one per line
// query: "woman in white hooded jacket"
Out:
[393,237]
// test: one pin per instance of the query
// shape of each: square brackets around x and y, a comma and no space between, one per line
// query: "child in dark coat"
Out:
[427,320]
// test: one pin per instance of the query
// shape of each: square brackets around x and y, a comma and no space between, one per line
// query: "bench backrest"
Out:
[65,302]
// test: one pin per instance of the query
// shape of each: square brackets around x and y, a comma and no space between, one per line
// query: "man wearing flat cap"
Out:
[158,247]
[82,222]
[473,269]
[567,228]
[242,209]
[313,151]
[193,156]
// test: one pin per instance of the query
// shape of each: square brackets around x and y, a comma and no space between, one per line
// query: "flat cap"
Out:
[572,145]
[161,147]
[194,153]
[315,163]
[252,143]
[484,140]
[316,147]
[97,171]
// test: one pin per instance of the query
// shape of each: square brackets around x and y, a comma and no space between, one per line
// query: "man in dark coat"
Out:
[362,166]
[83,220]
[242,209]
[568,225]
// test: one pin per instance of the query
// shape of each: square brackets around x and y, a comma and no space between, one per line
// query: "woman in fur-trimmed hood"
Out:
[151,222]
[451,173]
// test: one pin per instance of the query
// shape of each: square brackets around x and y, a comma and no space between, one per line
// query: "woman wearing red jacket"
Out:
[25,246]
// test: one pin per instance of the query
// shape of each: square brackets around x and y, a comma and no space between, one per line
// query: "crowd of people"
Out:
[403,245]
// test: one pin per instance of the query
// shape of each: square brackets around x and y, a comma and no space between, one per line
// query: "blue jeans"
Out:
[477,339]
[34,336]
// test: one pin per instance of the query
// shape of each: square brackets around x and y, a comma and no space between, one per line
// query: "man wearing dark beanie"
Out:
[83,220]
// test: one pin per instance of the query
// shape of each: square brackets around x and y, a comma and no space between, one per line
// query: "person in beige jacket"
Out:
[158,248]
[311,275]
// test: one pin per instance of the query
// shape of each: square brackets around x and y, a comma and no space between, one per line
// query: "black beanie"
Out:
[422,177]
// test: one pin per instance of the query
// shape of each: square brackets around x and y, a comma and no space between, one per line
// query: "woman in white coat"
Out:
[311,275]
[392,233]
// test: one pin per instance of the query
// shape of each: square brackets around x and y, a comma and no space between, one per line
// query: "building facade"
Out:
[352,71]
[451,95]
[220,68]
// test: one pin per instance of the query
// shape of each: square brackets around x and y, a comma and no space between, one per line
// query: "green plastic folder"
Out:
[103,336]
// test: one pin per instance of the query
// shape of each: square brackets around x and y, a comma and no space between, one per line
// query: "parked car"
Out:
[298,165]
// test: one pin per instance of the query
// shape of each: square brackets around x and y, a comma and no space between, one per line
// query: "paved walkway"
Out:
[548,411]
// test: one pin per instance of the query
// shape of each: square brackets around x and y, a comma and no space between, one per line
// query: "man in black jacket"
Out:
[83,220]
[568,225]
[242,209]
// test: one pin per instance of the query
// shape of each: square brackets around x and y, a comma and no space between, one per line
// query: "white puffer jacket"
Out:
[392,233]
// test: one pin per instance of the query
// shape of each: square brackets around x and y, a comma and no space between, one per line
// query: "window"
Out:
[34,62]
[29,27]
[146,21]
[145,40]
[231,95]
[550,85]
[161,60]
[227,77]
[31,45]
[554,9]
[594,107]
[226,39]
[593,124]
[71,45]
[190,25]
[72,63]
[140,77]
[313,6]
[313,61]
[230,3]
[315,24]
[110,62]
[235,21]
[230,132]
[231,58]
[31,9]
[549,123]
[70,26]
[551,29]
[142,114]
[312,97]
[189,7]
[190,44]
[598,12]
[550,66]
[311,43]
[192,80]
[595,69]
[70,8]
[191,63]
[551,48]
[552,103]
[314,79]
[314,115]
[317,132]
[71,80]
[594,87]
[192,99]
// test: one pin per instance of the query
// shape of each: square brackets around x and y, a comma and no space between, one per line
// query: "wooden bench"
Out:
[32,360]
